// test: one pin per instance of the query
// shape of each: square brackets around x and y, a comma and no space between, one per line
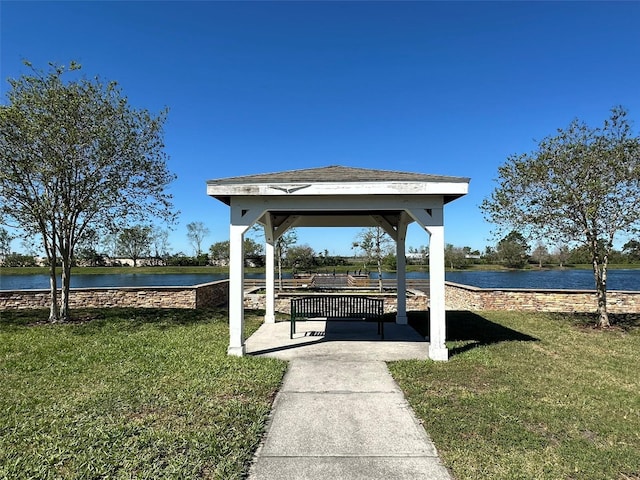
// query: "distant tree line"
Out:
[372,251]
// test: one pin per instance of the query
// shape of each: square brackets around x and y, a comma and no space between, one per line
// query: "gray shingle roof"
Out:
[336,173]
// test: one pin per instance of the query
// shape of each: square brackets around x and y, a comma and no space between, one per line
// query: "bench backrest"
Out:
[339,306]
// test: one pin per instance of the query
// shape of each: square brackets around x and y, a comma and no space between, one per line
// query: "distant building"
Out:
[128,262]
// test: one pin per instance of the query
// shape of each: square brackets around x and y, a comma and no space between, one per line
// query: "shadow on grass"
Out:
[128,318]
[468,329]
[620,321]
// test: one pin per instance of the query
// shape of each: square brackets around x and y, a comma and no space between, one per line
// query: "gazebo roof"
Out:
[338,180]
[337,173]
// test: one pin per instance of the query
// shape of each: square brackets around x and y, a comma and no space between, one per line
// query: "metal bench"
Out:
[337,306]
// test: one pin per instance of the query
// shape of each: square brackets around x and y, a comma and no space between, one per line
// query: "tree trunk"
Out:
[54,314]
[51,251]
[380,286]
[66,284]
[600,273]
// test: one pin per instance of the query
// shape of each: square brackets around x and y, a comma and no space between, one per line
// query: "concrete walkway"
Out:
[339,414]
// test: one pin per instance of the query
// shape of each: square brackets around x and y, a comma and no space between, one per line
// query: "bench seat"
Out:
[337,306]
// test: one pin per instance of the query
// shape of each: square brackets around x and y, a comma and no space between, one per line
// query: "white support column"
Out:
[269,251]
[432,220]
[437,314]
[270,294]
[236,290]
[242,217]
[401,271]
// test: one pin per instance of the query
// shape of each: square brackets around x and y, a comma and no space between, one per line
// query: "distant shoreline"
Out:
[341,269]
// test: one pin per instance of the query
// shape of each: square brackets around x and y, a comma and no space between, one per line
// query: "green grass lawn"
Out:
[130,394]
[125,393]
[532,396]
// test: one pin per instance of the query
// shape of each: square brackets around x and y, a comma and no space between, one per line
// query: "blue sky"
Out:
[450,88]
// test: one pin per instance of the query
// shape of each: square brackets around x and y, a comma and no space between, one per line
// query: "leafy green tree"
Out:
[89,256]
[456,257]
[253,252]
[632,249]
[135,242]
[513,250]
[86,250]
[219,253]
[74,156]
[490,256]
[540,254]
[581,186]
[19,260]
[581,254]
[323,259]
[390,261]
[300,257]
[180,259]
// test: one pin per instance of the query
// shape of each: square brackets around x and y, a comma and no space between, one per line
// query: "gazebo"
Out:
[338,196]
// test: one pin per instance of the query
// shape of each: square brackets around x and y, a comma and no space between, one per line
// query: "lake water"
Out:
[26,282]
[563,279]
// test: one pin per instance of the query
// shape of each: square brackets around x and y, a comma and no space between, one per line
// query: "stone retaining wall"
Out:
[212,294]
[198,296]
[457,297]
[464,297]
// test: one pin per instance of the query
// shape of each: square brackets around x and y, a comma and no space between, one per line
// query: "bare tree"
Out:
[375,244]
[196,233]
[160,244]
[5,241]
[284,242]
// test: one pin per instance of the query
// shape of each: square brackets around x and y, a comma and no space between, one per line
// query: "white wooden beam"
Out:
[242,218]
[437,314]
[269,252]
[432,220]
[386,226]
[236,290]
[293,190]
[401,270]
[339,203]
